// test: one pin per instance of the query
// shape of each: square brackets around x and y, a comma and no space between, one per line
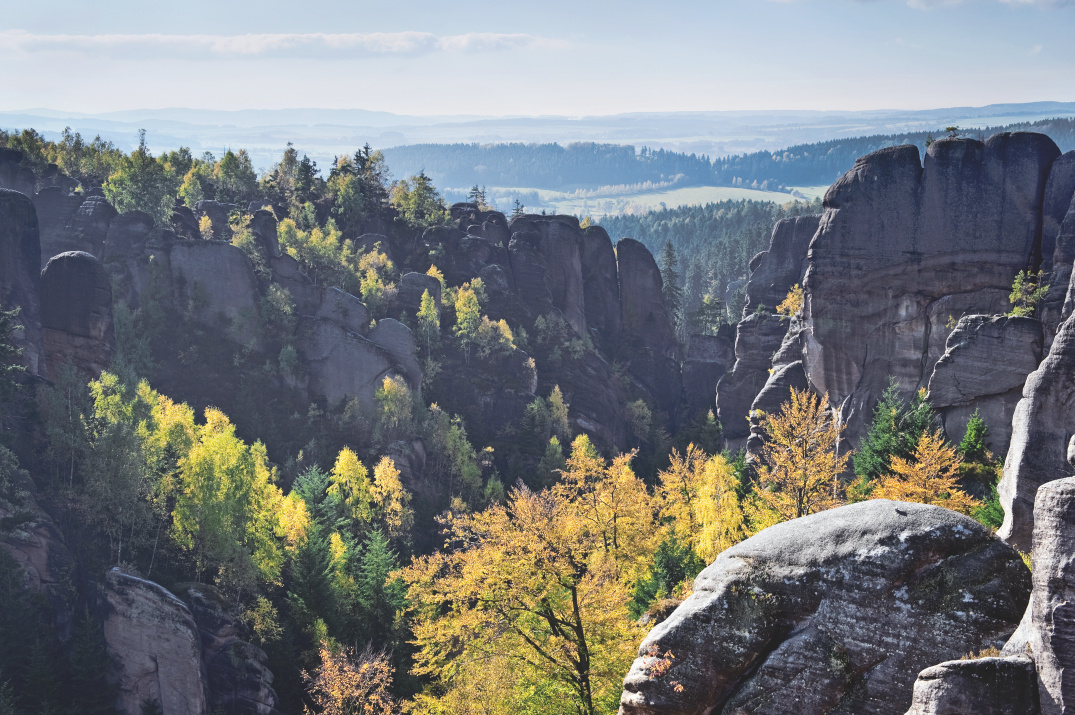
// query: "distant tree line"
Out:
[569,167]
[713,245]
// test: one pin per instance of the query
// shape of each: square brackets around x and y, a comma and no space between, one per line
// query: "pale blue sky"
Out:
[552,57]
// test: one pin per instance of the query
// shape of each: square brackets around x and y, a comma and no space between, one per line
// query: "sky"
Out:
[556,57]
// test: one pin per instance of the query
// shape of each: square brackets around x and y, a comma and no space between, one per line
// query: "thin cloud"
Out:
[300,45]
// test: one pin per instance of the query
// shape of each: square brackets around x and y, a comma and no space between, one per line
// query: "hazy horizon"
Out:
[515,60]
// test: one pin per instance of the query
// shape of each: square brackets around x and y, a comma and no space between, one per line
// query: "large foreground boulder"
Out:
[836,612]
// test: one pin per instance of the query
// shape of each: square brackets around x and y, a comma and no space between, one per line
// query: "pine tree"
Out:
[671,291]
[894,430]
[87,682]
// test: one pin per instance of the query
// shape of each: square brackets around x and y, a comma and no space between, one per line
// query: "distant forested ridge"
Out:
[573,166]
[548,166]
[713,243]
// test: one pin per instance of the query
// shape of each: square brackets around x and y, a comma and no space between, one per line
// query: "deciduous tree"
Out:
[802,461]
[929,478]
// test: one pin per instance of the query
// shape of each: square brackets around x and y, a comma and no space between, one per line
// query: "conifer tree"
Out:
[671,291]
[929,478]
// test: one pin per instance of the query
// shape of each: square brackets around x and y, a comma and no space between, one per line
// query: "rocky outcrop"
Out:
[76,314]
[13,175]
[708,358]
[645,319]
[773,395]
[984,367]
[773,273]
[1051,616]
[981,686]
[239,681]
[155,643]
[214,281]
[398,341]
[263,226]
[757,338]
[1041,427]
[218,213]
[411,288]
[903,247]
[600,284]
[832,613]
[55,213]
[341,364]
[20,273]
[345,310]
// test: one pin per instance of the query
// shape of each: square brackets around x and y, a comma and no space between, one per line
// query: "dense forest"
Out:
[710,245]
[509,570]
[588,165]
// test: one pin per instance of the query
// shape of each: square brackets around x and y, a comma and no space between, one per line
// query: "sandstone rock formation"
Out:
[1041,427]
[76,313]
[342,364]
[238,679]
[645,320]
[13,175]
[155,643]
[903,247]
[982,686]
[708,358]
[832,613]
[984,367]
[215,281]
[1051,616]
[773,273]
[20,274]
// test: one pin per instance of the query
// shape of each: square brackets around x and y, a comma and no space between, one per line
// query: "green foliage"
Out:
[671,291]
[141,183]
[894,431]
[419,204]
[673,563]
[991,512]
[708,317]
[428,323]
[1027,292]
[234,177]
[11,367]
[467,317]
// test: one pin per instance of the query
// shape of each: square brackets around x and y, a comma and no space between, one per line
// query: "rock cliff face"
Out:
[154,640]
[984,366]
[903,247]
[1041,427]
[832,613]
[761,333]
[76,313]
[20,278]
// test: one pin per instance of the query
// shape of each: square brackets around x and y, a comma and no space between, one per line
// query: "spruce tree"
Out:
[895,430]
[671,291]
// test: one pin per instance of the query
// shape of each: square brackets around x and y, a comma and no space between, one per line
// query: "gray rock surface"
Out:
[238,678]
[55,210]
[344,309]
[216,280]
[770,399]
[20,273]
[645,320]
[708,358]
[152,637]
[985,365]
[13,175]
[1041,427]
[342,364]
[983,686]
[836,612]
[903,247]
[757,338]
[773,273]
[398,341]
[76,313]
[600,284]
[1051,632]
[412,286]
